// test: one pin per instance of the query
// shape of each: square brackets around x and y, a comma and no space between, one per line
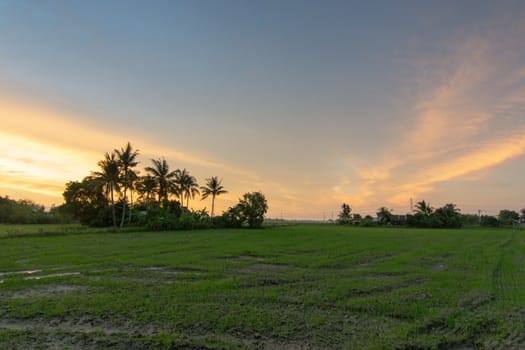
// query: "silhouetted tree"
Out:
[146,187]
[488,221]
[424,208]
[127,161]
[85,200]
[508,217]
[160,171]
[345,216]
[132,180]
[109,175]
[384,215]
[186,185]
[253,206]
[214,188]
[448,216]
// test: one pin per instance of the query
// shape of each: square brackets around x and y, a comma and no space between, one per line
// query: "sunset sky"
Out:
[314,103]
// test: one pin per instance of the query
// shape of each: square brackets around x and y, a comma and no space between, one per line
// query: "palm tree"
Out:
[127,162]
[146,186]
[162,175]
[424,208]
[186,185]
[192,189]
[175,190]
[179,184]
[214,188]
[133,181]
[109,176]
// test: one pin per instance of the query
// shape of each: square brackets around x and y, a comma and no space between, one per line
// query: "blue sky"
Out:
[312,102]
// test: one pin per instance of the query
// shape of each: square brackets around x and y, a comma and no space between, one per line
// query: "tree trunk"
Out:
[130,206]
[113,207]
[212,204]
[123,209]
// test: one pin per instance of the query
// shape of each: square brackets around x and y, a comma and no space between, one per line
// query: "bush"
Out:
[233,217]
[158,219]
[508,217]
[103,218]
[186,221]
[423,221]
[489,221]
[367,222]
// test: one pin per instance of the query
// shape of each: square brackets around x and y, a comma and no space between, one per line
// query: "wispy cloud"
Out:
[469,120]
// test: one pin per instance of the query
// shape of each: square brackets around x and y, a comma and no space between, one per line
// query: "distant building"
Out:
[398,220]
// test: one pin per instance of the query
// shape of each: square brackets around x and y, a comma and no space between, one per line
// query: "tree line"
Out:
[26,212]
[117,195]
[426,216]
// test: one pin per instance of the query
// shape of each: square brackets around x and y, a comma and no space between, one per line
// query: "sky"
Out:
[314,103]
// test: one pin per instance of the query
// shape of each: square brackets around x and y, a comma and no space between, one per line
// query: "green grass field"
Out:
[306,286]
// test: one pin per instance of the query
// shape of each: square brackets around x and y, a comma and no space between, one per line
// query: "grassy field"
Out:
[297,287]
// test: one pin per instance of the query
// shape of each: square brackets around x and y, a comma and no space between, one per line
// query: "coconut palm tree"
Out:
[424,208]
[179,184]
[160,171]
[214,188]
[175,190]
[127,162]
[186,185]
[146,186]
[133,181]
[109,175]
[192,190]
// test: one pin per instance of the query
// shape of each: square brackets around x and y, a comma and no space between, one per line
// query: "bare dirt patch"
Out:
[267,268]
[53,326]
[439,267]
[22,272]
[387,288]
[170,270]
[49,290]
[385,274]
[247,257]
[50,275]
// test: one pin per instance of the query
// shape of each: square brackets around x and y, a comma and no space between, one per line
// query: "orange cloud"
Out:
[456,132]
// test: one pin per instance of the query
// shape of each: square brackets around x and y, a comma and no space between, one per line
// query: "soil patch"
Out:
[267,268]
[247,257]
[438,267]
[61,274]
[49,290]
[53,326]
[387,288]
[23,272]
[385,274]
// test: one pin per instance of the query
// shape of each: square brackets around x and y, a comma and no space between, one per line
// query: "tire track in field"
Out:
[509,273]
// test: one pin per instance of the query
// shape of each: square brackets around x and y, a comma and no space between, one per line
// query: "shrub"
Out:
[186,221]
[158,219]
[233,217]
[489,221]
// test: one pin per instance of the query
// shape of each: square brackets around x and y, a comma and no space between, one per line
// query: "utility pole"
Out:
[479,215]
[411,206]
